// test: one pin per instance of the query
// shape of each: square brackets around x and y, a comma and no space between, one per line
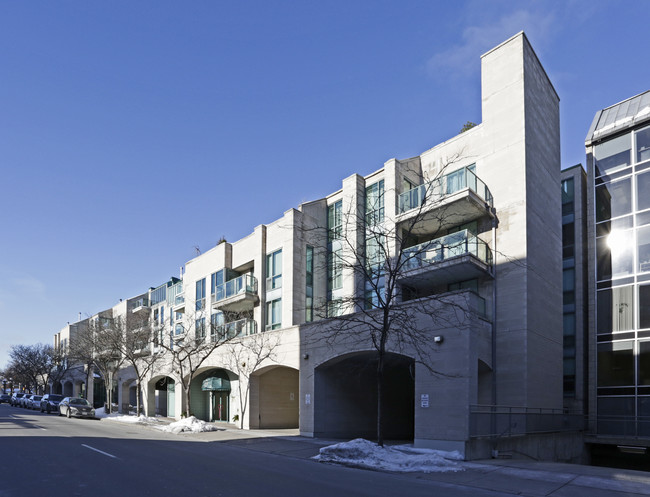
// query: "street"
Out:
[52,455]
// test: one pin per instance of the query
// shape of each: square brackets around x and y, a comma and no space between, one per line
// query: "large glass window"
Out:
[643,145]
[375,203]
[643,248]
[616,364]
[615,309]
[335,220]
[644,306]
[643,191]
[200,294]
[613,199]
[335,269]
[274,314]
[644,363]
[568,240]
[199,330]
[612,155]
[615,255]
[274,270]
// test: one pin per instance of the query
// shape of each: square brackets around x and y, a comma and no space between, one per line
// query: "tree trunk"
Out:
[380,392]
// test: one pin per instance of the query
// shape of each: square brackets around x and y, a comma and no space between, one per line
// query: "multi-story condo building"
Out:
[461,245]
[618,235]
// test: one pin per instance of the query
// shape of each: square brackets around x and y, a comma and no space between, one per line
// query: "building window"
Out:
[615,255]
[616,364]
[568,240]
[613,199]
[200,294]
[217,328]
[309,284]
[612,155]
[274,270]
[643,191]
[199,330]
[568,286]
[643,145]
[375,203]
[335,220]
[644,306]
[644,363]
[615,309]
[643,249]
[567,196]
[335,269]
[274,314]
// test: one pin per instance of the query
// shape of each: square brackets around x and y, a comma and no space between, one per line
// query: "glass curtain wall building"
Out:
[618,157]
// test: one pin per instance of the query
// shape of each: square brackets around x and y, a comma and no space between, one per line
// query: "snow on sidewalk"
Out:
[360,453]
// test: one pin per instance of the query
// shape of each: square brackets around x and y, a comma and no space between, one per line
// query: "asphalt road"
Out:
[55,456]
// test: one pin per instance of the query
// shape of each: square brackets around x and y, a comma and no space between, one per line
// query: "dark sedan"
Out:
[50,402]
[74,406]
[5,397]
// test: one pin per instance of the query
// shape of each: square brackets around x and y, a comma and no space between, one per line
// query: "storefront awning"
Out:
[216,384]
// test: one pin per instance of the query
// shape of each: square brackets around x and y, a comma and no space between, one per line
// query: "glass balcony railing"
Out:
[142,302]
[443,186]
[179,299]
[447,247]
[246,283]
[242,327]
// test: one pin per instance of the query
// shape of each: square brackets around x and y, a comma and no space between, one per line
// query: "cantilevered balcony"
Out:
[458,256]
[453,199]
[178,303]
[141,304]
[239,328]
[236,295]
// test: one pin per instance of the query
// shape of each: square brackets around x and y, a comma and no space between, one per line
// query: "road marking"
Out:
[100,451]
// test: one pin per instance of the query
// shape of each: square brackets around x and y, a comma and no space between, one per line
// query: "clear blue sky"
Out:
[133,131]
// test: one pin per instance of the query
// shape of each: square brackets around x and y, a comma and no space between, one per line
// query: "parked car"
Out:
[5,397]
[15,398]
[50,402]
[24,402]
[35,402]
[74,406]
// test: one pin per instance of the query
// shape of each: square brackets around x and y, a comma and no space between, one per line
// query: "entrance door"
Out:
[220,406]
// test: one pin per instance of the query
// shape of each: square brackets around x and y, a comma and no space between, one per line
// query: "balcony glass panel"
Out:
[446,185]
[242,327]
[446,247]
[246,283]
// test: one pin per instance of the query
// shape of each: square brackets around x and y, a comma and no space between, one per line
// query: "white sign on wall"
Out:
[424,400]
[307,399]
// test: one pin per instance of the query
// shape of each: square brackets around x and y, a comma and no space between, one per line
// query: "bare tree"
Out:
[132,338]
[245,356]
[34,365]
[99,345]
[188,350]
[377,251]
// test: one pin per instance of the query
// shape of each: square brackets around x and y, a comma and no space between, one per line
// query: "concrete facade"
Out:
[478,221]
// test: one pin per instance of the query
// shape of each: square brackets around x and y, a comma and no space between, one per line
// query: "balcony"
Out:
[458,256]
[236,295]
[456,198]
[240,328]
[141,304]
[178,303]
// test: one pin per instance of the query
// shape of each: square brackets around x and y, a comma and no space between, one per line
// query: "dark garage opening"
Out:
[346,397]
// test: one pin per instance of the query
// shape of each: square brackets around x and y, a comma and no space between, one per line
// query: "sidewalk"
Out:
[518,477]
[503,476]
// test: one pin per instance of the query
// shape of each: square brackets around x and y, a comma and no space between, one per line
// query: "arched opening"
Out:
[210,395]
[277,390]
[345,397]
[161,396]
[68,389]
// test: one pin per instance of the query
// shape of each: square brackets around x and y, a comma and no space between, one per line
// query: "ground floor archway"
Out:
[277,405]
[210,395]
[345,397]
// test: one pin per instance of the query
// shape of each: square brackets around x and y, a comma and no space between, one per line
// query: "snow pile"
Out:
[190,424]
[361,453]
